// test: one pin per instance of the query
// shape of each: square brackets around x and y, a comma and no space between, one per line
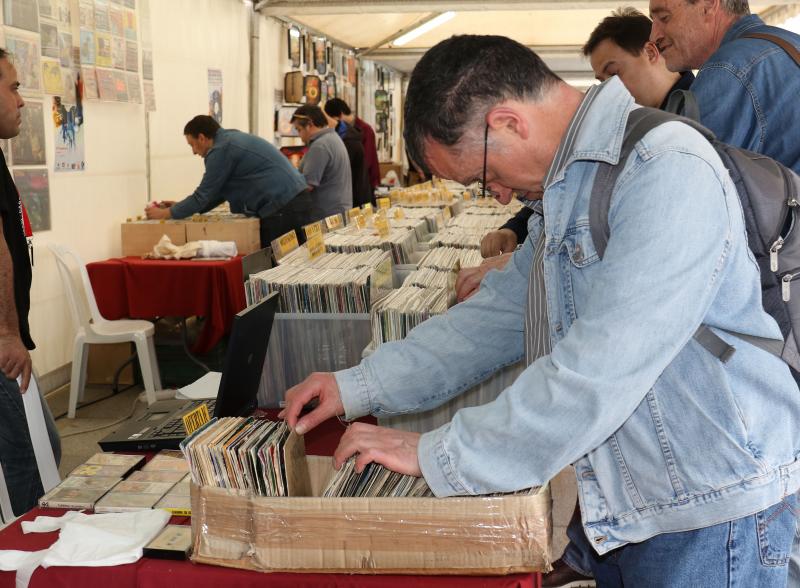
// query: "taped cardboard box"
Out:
[243,231]
[139,237]
[463,535]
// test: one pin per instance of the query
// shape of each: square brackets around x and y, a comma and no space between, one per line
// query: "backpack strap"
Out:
[790,49]
[683,102]
[640,122]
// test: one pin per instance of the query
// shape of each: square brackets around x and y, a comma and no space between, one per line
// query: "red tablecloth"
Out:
[132,287]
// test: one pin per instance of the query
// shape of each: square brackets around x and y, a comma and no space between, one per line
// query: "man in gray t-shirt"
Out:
[326,166]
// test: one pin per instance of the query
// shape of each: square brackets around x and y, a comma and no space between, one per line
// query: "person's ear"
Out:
[651,51]
[710,7]
[509,118]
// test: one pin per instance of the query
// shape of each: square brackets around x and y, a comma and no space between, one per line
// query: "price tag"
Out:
[284,244]
[313,229]
[360,221]
[399,214]
[447,213]
[382,225]
[315,246]
[384,203]
[195,419]
[333,222]
[352,214]
[367,210]
[466,196]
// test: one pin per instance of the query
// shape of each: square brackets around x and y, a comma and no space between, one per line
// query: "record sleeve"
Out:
[174,542]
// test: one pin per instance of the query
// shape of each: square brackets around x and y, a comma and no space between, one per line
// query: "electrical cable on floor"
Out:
[84,405]
[101,427]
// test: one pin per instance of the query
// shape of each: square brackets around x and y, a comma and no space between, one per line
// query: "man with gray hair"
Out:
[685,464]
[747,88]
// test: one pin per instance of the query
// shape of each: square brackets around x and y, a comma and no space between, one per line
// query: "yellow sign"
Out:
[467,196]
[360,221]
[315,246]
[196,418]
[399,214]
[368,210]
[284,244]
[313,229]
[352,214]
[384,203]
[334,221]
[382,224]
[447,213]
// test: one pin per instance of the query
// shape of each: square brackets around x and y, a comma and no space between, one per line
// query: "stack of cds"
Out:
[451,258]
[375,480]
[403,309]
[431,277]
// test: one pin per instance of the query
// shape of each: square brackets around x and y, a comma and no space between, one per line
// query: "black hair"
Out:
[462,78]
[202,124]
[307,113]
[337,107]
[627,27]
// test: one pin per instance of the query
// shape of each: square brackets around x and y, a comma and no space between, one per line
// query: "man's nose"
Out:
[656,34]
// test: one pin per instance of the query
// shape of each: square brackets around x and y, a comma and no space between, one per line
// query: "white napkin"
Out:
[87,540]
[217,249]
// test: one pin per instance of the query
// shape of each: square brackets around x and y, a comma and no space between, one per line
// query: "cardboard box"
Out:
[465,535]
[244,231]
[104,360]
[139,237]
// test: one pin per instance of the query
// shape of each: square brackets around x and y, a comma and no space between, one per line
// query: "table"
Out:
[155,573]
[131,287]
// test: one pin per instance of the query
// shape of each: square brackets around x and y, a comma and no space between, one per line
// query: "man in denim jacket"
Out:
[686,465]
[747,89]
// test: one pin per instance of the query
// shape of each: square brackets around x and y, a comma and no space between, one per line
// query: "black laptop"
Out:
[161,426]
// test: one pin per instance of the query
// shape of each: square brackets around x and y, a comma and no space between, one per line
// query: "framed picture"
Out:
[320,56]
[330,81]
[283,121]
[308,51]
[294,46]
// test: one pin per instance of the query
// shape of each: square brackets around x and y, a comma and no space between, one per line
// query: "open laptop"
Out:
[161,426]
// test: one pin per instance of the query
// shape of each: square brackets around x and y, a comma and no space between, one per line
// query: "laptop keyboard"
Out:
[174,427]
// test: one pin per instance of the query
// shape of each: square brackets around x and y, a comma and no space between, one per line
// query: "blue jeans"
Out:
[751,551]
[16,450]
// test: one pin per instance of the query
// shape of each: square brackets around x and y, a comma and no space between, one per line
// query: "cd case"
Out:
[174,542]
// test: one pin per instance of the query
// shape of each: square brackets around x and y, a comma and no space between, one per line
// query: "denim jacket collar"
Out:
[741,26]
[599,134]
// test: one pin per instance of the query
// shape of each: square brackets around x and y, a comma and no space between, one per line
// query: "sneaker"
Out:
[564,576]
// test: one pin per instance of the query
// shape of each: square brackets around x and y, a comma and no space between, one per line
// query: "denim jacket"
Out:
[248,172]
[748,92]
[663,435]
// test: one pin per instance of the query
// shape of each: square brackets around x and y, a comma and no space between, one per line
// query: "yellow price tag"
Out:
[334,221]
[384,203]
[195,419]
[352,214]
[466,196]
[382,225]
[360,221]
[315,246]
[399,214]
[313,229]
[368,210]
[447,213]
[287,243]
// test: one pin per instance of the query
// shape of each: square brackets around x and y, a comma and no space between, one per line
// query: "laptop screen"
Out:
[244,360]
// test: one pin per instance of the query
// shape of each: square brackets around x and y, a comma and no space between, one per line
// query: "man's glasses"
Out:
[485,154]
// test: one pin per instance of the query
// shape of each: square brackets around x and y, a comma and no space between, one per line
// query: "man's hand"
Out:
[15,360]
[322,386]
[497,242]
[159,210]
[470,278]
[397,450]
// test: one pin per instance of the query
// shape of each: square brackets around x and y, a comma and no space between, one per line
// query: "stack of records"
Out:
[369,258]
[375,480]
[479,223]
[240,453]
[403,309]
[492,206]
[431,277]
[451,258]
[458,238]
[177,500]
[400,242]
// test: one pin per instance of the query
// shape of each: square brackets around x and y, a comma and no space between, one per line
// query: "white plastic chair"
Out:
[42,450]
[94,329]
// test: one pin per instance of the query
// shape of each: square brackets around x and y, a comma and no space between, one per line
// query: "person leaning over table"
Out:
[247,171]
[326,165]
[686,465]
[619,46]
[16,449]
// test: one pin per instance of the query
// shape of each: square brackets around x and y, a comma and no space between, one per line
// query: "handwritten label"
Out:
[352,214]
[333,222]
[360,221]
[384,203]
[367,210]
[195,419]
[382,224]
[315,246]
[312,230]
[399,214]
[284,244]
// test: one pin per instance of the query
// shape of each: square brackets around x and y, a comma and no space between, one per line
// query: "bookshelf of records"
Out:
[369,279]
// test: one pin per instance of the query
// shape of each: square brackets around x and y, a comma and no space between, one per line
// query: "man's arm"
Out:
[219,166]
[14,357]
[313,166]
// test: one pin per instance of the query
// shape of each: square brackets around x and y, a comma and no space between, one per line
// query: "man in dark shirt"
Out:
[16,451]
[353,142]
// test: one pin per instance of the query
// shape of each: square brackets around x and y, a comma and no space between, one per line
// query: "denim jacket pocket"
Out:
[580,246]
[776,527]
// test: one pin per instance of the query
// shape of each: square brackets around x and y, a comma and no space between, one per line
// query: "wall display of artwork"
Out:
[21,14]
[28,148]
[69,145]
[50,42]
[34,190]
[27,61]
[294,46]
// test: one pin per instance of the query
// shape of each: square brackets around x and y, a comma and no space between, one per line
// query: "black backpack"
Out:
[769,193]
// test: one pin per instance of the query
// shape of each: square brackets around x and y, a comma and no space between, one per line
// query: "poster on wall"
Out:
[131,56]
[134,88]
[215,94]
[34,191]
[320,56]
[50,43]
[86,12]
[87,47]
[118,53]
[27,61]
[105,84]
[120,86]
[69,140]
[65,49]
[89,80]
[51,77]
[27,148]
[47,9]
[103,49]
[22,14]
[149,96]
[101,16]
[294,46]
